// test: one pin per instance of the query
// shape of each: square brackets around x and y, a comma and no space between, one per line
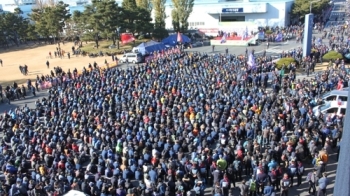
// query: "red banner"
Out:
[126,38]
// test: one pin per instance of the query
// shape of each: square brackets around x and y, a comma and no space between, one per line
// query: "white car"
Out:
[330,107]
[131,58]
[336,95]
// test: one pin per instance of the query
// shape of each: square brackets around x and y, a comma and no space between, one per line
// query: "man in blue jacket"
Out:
[269,190]
[322,185]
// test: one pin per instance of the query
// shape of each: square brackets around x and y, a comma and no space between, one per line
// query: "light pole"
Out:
[311,2]
[118,36]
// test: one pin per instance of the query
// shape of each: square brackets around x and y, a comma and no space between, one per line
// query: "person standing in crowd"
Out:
[285,185]
[269,190]
[176,125]
[293,170]
[300,172]
[237,169]
[225,185]
[322,185]
[252,186]
[244,189]
[311,178]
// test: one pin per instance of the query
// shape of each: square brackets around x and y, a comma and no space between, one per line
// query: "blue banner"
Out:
[232,10]
[308,27]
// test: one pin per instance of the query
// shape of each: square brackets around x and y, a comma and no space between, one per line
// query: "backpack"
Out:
[301,170]
[273,175]
[293,171]
[324,158]
[252,185]
[230,171]
[237,165]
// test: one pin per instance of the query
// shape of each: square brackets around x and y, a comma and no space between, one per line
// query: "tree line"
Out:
[102,19]
[105,19]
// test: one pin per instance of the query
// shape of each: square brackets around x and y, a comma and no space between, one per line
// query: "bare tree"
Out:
[51,3]
[41,4]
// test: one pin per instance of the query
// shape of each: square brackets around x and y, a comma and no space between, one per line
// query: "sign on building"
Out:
[232,10]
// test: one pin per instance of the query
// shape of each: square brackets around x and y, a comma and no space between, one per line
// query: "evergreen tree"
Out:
[159,13]
[137,19]
[159,19]
[13,27]
[102,19]
[301,8]
[50,20]
[181,13]
[145,4]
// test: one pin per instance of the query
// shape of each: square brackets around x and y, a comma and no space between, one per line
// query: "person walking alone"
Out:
[48,64]
[322,185]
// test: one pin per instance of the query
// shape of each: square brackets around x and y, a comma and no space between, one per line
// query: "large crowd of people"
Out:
[181,124]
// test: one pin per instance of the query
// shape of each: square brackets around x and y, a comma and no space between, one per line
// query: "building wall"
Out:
[207,15]
[275,15]
[27,5]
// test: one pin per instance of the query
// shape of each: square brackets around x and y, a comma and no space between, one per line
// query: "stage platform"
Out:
[233,41]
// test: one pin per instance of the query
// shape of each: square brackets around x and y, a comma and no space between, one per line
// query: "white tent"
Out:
[75,193]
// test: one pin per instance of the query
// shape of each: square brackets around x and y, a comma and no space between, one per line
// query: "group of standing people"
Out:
[177,125]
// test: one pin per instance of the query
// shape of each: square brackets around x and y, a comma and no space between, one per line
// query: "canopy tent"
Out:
[149,47]
[173,39]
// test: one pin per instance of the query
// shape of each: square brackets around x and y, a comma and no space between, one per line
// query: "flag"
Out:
[127,38]
[179,37]
[223,39]
[251,61]
[279,37]
[246,32]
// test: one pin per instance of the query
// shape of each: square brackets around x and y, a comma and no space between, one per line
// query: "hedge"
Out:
[285,61]
[332,55]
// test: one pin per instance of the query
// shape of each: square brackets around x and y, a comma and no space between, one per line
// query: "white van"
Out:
[336,95]
[330,107]
[131,58]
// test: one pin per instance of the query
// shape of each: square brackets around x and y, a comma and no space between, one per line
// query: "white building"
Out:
[10,5]
[27,5]
[207,14]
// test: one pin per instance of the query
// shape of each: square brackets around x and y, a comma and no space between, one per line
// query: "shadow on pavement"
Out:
[29,100]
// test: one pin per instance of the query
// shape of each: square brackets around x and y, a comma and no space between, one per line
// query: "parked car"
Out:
[131,58]
[336,95]
[330,107]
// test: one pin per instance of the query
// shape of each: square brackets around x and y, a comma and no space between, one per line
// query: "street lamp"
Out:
[118,33]
[311,2]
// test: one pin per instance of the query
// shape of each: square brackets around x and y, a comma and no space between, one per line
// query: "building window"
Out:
[192,24]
